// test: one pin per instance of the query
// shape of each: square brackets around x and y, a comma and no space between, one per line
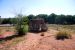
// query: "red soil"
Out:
[47,42]
[6,34]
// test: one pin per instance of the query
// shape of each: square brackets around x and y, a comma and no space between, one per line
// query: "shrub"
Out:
[22,30]
[21,25]
[25,28]
[62,35]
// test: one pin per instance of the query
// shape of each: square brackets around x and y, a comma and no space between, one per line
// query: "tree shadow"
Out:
[10,37]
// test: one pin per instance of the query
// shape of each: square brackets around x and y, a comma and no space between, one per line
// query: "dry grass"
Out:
[63,34]
[5,29]
[11,42]
[68,28]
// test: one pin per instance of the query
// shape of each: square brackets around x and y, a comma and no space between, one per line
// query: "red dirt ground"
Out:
[46,42]
[6,34]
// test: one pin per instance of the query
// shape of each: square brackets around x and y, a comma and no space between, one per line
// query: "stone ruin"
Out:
[37,25]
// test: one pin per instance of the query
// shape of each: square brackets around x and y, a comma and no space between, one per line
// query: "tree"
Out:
[61,19]
[6,21]
[44,16]
[51,18]
[19,27]
[14,20]
[73,17]
[25,20]
[0,19]
[70,19]
[30,16]
[22,24]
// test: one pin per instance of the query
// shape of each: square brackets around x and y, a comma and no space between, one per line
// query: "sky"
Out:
[9,8]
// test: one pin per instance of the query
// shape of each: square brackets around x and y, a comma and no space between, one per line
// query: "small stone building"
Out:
[37,25]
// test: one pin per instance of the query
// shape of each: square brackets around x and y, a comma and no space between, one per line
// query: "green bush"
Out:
[25,28]
[63,35]
[21,25]
[22,30]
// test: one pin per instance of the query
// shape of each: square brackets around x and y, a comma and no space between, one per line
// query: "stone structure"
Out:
[37,25]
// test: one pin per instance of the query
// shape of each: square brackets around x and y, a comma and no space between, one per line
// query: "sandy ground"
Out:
[47,42]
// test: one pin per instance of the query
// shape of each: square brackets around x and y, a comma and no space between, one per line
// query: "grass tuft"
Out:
[63,35]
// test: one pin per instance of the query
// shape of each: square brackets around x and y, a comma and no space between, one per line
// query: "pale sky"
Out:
[8,8]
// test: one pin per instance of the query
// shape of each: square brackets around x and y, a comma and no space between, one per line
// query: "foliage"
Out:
[20,30]
[25,28]
[50,19]
[6,21]
[25,20]
[31,16]
[62,35]
[21,25]
[61,19]
[44,16]
[13,21]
